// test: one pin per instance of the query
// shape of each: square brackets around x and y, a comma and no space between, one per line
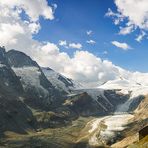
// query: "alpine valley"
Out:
[40,108]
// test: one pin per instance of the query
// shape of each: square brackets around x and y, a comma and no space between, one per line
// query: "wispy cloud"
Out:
[123,46]
[75,45]
[140,36]
[126,30]
[62,42]
[105,52]
[91,42]
[66,44]
[89,32]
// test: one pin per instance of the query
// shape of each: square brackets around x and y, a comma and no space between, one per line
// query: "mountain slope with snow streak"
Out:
[61,82]
[106,100]
[39,90]
[136,86]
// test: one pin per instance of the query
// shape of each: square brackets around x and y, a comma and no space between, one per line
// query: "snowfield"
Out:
[134,86]
[30,76]
[2,65]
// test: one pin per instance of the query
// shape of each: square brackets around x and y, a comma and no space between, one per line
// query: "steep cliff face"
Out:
[8,79]
[38,89]
[14,114]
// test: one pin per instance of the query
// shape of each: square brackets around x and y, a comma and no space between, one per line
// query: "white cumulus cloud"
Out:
[33,8]
[134,14]
[17,33]
[10,32]
[83,67]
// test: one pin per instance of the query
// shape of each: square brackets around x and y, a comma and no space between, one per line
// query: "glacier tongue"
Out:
[115,123]
[135,87]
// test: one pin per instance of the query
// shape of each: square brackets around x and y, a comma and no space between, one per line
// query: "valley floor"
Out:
[83,133]
[64,137]
[118,130]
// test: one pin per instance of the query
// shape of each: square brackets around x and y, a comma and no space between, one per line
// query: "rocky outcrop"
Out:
[143,132]
[8,79]
[83,105]
[15,115]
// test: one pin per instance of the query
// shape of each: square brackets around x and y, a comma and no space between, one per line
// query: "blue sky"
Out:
[90,41]
[74,17]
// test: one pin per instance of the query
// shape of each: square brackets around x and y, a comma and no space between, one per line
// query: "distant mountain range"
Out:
[34,97]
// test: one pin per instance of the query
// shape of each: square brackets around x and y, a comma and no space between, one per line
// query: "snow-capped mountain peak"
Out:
[136,84]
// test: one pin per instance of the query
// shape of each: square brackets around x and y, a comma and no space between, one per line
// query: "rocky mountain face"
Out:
[44,89]
[60,82]
[14,114]
[40,101]
[39,91]
[89,102]
[8,79]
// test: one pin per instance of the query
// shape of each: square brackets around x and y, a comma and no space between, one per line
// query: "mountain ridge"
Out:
[40,99]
